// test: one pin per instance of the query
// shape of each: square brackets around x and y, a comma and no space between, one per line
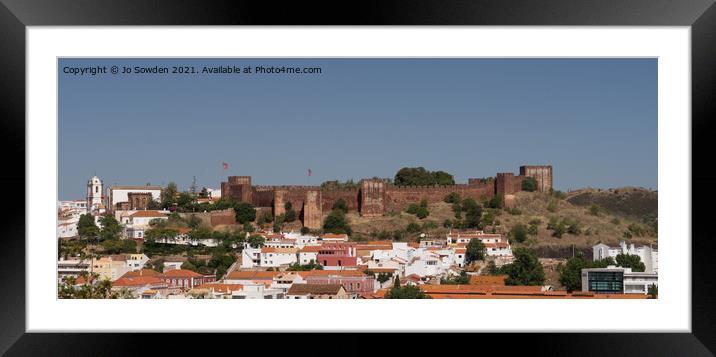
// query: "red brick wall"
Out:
[329,197]
[227,216]
[399,197]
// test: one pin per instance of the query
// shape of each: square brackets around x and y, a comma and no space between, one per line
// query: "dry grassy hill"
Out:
[618,209]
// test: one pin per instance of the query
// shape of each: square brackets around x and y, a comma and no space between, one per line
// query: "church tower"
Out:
[94,194]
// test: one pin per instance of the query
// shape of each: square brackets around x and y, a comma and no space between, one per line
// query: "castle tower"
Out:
[312,212]
[372,198]
[541,174]
[238,188]
[94,194]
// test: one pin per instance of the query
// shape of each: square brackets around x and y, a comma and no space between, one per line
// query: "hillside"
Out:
[631,202]
[618,211]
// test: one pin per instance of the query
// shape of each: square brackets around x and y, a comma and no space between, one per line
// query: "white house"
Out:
[141,218]
[257,291]
[250,257]
[66,229]
[648,255]
[308,253]
[284,281]
[136,261]
[275,257]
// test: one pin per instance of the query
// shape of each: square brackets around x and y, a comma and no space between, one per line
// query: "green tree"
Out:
[188,265]
[418,176]
[340,205]
[497,201]
[119,246]
[453,197]
[110,228]
[570,274]
[256,241]
[462,279]
[305,230]
[653,291]
[594,210]
[265,217]
[420,210]
[245,212]
[95,288]
[475,251]
[337,223]
[204,192]
[405,292]
[529,184]
[290,215]
[413,228]
[519,233]
[630,261]
[383,277]
[473,213]
[185,201]
[278,223]
[524,270]
[168,195]
[86,227]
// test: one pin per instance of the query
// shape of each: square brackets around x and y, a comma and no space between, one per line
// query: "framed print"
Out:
[501,173]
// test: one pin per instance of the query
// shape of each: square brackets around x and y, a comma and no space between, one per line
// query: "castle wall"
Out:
[262,197]
[399,197]
[329,197]
[226,217]
[374,197]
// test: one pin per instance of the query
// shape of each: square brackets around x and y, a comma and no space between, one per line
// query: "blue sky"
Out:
[594,120]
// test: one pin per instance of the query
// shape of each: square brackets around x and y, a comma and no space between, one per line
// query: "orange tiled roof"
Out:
[310,248]
[137,281]
[487,280]
[182,273]
[142,272]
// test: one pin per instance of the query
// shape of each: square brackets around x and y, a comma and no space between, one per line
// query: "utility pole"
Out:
[192,189]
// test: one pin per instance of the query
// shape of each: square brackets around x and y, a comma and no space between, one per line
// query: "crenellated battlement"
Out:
[374,197]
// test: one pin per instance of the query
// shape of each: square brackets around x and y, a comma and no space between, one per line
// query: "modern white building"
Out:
[617,280]
[648,255]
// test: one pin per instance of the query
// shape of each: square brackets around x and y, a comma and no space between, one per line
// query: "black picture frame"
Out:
[15,15]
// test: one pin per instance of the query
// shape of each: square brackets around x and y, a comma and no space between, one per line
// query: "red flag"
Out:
[226,166]
[309,172]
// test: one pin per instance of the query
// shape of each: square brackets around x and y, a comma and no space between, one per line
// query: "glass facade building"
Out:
[606,282]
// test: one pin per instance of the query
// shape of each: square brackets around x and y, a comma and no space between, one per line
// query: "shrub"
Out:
[413,228]
[519,233]
[453,197]
[552,206]
[529,184]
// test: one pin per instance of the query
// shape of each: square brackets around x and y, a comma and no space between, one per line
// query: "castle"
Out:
[373,197]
